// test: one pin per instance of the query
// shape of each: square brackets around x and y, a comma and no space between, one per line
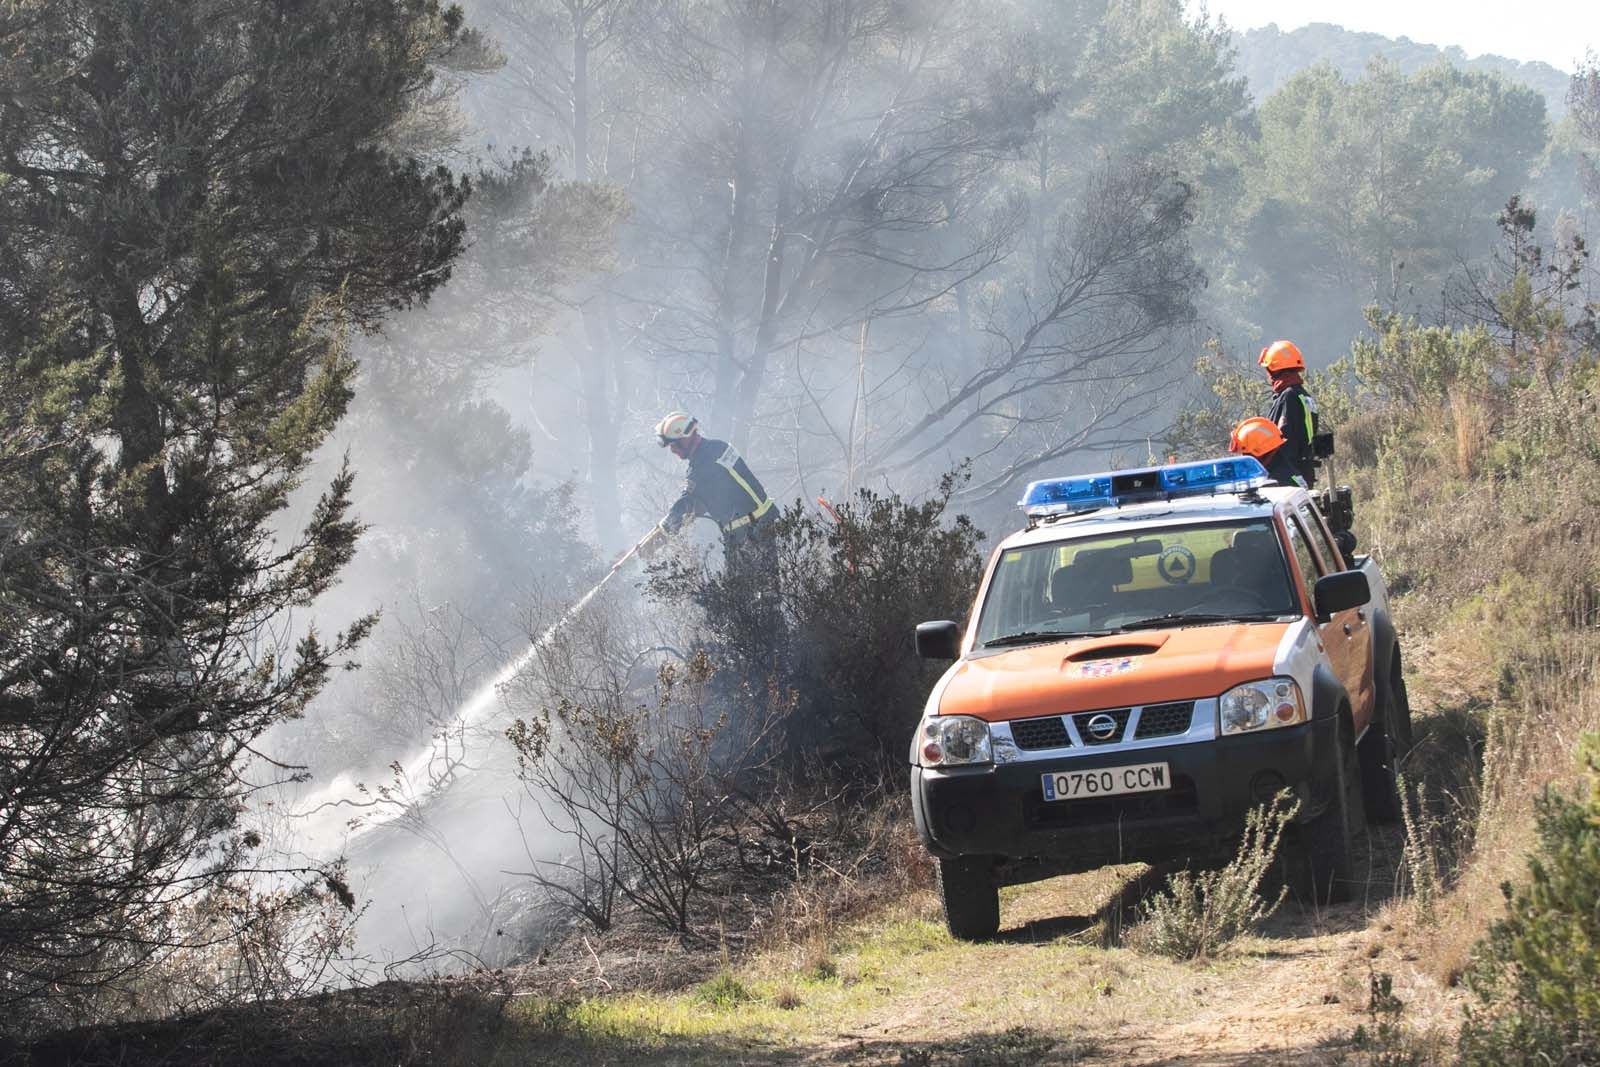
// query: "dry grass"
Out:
[1530,747]
[1497,620]
[1470,420]
[1481,508]
[875,868]
[1398,1032]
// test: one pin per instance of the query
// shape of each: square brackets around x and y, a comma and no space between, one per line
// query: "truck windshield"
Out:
[1101,584]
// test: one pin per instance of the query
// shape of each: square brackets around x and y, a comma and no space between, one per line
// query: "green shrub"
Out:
[725,991]
[1199,915]
[1415,365]
[1537,974]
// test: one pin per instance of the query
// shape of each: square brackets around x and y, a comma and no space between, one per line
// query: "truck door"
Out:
[1338,633]
[1364,695]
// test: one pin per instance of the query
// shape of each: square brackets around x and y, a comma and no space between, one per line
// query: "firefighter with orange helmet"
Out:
[720,486]
[1293,410]
[1262,439]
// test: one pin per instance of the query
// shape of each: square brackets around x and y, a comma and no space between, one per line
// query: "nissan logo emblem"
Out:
[1102,727]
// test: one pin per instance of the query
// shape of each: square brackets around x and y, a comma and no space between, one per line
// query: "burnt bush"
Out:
[776,719]
[829,607]
[662,806]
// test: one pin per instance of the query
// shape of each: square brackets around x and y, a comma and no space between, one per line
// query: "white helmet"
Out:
[675,427]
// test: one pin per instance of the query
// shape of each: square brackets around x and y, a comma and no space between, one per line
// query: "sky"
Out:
[1555,31]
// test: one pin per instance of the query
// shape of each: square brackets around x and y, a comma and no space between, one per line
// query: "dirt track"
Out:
[1054,988]
[1294,994]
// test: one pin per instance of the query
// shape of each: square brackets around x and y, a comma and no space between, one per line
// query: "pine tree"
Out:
[1537,974]
[198,204]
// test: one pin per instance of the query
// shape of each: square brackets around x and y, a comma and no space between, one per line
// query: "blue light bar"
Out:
[1087,492]
[1054,496]
[1237,474]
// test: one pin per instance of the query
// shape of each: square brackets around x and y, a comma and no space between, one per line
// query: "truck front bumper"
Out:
[1000,810]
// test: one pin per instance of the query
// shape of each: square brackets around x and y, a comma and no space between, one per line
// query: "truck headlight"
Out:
[951,740]
[1260,706]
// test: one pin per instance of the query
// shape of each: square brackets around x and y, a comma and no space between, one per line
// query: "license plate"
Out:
[1107,781]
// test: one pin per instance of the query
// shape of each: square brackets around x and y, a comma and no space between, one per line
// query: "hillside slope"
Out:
[1269,56]
[1054,988]
[1476,467]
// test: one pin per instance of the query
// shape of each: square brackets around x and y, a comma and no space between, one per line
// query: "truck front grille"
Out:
[1048,732]
[1084,718]
[1164,720]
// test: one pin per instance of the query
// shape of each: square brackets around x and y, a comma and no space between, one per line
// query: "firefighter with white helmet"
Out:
[720,486]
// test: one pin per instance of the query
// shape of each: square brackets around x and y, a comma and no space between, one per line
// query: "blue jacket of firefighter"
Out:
[721,487]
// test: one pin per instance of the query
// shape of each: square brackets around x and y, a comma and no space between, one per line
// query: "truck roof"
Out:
[1155,513]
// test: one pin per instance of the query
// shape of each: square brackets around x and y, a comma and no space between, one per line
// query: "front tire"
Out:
[1322,869]
[971,898]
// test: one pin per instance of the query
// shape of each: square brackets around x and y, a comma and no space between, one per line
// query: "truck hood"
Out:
[1121,670]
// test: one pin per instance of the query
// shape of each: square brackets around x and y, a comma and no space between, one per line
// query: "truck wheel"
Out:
[1381,750]
[1380,788]
[1401,704]
[971,899]
[1324,868]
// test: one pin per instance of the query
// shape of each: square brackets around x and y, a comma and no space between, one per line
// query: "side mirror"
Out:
[942,639]
[1340,592]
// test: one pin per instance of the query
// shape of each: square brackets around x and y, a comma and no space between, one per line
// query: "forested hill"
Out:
[1268,57]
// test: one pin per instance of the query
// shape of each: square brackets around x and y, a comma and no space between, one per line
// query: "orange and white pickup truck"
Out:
[1158,651]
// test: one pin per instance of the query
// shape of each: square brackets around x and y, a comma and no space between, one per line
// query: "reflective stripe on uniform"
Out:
[1308,412]
[746,520]
[728,461]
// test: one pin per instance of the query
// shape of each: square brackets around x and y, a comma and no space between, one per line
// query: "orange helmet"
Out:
[1256,437]
[1282,355]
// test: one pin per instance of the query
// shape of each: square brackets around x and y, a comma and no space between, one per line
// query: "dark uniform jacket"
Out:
[1281,468]
[1296,415]
[721,487]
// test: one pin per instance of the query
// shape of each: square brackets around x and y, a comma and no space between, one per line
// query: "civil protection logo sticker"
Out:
[1103,668]
[1176,565]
